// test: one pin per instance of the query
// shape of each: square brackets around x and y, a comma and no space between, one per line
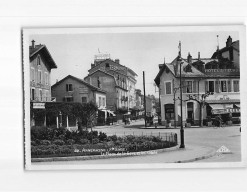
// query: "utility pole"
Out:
[181,106]
[144,99]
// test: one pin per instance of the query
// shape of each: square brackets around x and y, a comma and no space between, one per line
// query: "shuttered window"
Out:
[236,85]
[229,84]
[195,86]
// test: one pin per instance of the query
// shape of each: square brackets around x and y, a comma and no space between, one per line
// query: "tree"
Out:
[89,113]
[201,100]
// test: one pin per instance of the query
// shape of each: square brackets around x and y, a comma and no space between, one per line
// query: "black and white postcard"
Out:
[134,97]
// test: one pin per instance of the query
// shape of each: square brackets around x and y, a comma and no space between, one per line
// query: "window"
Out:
[211,86]
[32,94]
[99,101]
[46,78]
[169,111]
[236,86]
[103,101]
[168,87]
[68,99]
[69,87]
[39,76]
[38,60]
[99,84]
[84,100]
[32,74]
[223,86]
[107,65]
[189,87]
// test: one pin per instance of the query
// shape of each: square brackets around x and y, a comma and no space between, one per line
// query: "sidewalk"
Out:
[173,155]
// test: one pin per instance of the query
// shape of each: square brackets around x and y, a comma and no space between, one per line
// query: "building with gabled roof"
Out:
[41,64]
[73,89]
[220,77]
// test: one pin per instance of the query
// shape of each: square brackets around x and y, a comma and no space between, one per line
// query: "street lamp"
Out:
[181,104]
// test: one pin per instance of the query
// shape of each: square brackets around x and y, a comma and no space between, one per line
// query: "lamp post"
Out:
[181,104]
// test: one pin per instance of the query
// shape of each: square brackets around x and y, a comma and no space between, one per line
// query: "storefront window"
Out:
[169,111]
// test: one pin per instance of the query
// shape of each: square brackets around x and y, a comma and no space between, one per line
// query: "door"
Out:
[190,113]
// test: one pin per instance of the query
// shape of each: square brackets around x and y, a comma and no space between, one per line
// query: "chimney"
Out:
[92,65]
[229,41]
[199,57]
[160,66]
[164,60]
[117,61]
[33,44]
[189,58]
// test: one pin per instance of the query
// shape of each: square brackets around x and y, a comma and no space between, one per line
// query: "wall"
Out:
[60,92]
[107,84]
[44,67]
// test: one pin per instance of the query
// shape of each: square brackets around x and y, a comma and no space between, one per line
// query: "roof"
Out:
[44,51]
[234,45]
[103,61]
[81,81]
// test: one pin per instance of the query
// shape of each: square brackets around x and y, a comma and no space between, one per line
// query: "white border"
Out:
[28,31]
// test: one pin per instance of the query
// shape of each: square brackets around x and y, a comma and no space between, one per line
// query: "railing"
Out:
[165,136]
[44,99]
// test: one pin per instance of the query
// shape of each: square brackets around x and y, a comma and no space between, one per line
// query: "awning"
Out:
[223,108]
[237,105]
[110,112]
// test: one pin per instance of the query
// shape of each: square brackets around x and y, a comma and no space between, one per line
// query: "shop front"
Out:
[228,112]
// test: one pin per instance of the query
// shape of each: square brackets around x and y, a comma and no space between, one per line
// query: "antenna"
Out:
[218,46]
[98,50]
[179,48]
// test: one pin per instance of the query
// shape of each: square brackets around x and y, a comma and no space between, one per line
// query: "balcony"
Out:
[44,99]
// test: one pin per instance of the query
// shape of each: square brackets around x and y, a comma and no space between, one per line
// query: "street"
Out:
[198,142]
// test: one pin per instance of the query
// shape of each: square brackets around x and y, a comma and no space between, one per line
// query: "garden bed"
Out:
[63,143]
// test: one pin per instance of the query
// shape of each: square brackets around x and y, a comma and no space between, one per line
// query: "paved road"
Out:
[198,142]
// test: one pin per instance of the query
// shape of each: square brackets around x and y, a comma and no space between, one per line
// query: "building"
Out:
[210,86]
[41,63]
[73,89]
[117,80]
[150,105]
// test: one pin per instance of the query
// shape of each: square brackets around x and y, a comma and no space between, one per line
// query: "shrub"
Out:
[70,141]
[112,138]
[95,141]
[58,142]
[45,142]
[84,141]
[102,136]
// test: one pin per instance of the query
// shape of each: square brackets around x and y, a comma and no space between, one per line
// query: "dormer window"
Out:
[107,65]
[188,68]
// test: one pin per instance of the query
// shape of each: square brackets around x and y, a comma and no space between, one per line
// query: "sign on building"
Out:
[38,105]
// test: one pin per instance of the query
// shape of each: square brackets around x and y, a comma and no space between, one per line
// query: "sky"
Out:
[74,53]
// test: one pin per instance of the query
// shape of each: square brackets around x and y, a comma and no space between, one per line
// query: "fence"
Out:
[165,136]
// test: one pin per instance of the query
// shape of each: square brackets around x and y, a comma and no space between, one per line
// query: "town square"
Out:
[104,101]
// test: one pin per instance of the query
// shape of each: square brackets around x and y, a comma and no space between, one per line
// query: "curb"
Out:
[95,157]
[196,159]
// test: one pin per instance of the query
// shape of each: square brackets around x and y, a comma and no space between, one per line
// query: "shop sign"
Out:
[38,105]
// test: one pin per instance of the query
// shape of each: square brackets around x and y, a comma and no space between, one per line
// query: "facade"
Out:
[72,89]
[210,86]
[41,63]
[117,80]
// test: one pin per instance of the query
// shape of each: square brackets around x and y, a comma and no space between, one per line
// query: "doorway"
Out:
[190,113]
